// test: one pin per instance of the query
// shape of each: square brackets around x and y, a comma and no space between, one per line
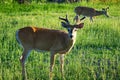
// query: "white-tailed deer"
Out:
[89,12]
[55,41]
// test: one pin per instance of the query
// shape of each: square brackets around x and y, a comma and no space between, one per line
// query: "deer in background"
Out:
[89,12]
[54,41]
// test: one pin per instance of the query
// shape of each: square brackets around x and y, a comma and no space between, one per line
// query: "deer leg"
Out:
[52,59]
[62,64]
[91,19]
[22,61]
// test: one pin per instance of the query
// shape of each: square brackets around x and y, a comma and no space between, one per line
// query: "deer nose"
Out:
[71,36]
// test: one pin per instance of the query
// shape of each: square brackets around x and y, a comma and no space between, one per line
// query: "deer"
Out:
[54,41]
[89,12]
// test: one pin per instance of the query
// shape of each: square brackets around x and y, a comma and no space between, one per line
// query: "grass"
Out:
[95,55]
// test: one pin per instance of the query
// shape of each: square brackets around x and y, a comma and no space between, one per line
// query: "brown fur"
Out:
[89,12]
[55,41]
[43,39]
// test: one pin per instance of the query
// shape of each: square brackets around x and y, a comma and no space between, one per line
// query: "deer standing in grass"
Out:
[89,12]
[55,41]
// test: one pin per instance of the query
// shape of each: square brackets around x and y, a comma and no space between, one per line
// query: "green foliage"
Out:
[95,55]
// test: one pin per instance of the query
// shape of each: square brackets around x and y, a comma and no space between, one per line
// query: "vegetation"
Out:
[96,53]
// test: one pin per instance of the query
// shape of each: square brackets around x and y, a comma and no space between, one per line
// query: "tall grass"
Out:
[95,55]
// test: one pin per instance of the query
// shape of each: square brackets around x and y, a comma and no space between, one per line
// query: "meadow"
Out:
[95,55]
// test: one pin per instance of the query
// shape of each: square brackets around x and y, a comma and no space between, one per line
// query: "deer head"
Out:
[72,29]
[105,11]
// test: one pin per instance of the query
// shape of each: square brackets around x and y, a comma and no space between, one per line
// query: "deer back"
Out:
[43,39]
[86,11]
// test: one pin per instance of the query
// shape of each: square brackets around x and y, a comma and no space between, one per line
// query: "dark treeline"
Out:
[59,1]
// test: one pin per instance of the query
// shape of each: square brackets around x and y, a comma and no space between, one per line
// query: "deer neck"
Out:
[99,13]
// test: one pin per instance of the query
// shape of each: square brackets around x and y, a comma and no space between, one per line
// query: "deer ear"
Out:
[80,25]
[64,24]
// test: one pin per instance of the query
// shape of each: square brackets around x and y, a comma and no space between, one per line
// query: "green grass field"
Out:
[95,55]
